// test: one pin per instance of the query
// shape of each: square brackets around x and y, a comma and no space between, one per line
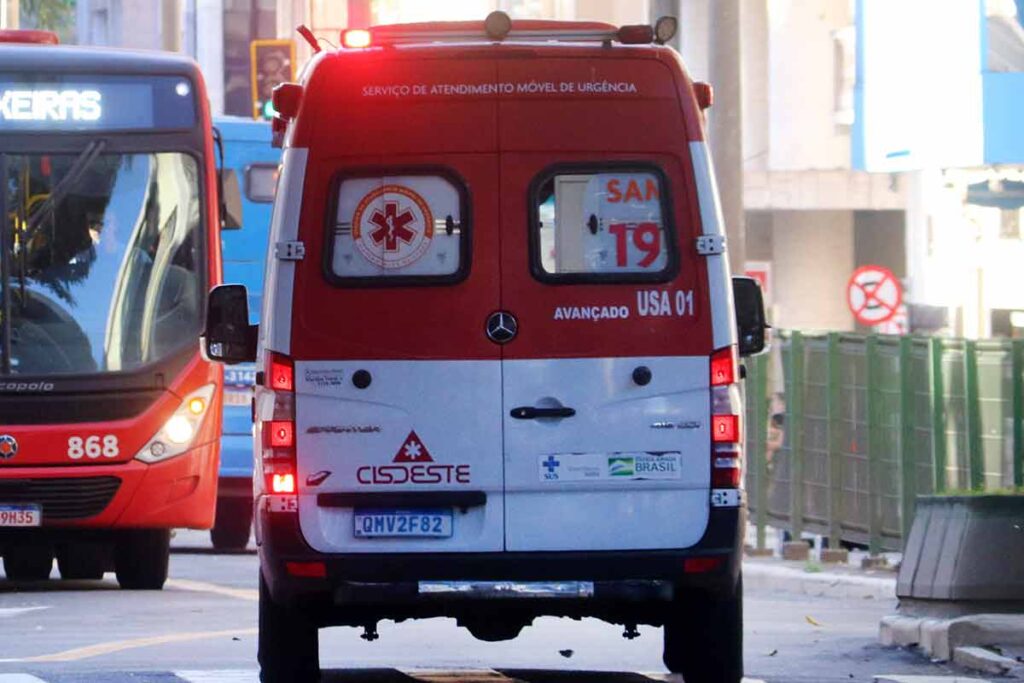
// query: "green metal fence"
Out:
[871,422]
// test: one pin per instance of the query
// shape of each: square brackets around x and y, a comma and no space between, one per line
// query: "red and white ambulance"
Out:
[499,344]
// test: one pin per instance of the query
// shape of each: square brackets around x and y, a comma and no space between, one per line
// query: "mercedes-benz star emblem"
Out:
[8,446]
[502,327]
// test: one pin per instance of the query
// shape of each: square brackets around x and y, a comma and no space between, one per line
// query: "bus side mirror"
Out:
[228,336]
[231,202]
[750,319]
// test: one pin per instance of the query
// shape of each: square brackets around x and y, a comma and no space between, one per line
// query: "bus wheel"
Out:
[289,644]
[82,560]
[704,637]
[29,562]
[234,519]
[141,557]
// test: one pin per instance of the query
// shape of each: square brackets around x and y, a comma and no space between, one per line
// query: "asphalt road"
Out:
[202,627]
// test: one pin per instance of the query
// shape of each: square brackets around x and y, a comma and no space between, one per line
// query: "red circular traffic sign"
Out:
[874,295]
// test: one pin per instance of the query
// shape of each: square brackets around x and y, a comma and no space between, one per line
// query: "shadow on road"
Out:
[469,676]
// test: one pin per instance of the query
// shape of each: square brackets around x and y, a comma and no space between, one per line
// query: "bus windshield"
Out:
[102,260]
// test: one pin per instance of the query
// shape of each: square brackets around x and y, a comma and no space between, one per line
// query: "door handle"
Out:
[531,413]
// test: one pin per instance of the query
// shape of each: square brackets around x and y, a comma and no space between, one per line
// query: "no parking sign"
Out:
[874,295]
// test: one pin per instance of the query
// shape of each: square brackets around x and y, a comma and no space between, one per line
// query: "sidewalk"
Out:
[815,578]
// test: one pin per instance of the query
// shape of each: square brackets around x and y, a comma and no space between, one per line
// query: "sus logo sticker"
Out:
[392,226]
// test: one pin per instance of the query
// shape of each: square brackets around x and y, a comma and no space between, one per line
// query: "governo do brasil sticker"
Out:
[392,226]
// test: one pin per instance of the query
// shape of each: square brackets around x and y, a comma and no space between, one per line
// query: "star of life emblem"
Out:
[413,450]
[392,226]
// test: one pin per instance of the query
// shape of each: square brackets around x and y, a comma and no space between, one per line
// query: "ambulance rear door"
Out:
[606,380]
[398,391]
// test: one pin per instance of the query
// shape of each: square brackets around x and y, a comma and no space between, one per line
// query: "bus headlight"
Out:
[178,433]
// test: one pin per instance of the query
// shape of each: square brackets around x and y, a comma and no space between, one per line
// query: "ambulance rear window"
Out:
[602,224]
[396,229]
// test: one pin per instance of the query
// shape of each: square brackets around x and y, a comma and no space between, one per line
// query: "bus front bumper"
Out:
[177,493]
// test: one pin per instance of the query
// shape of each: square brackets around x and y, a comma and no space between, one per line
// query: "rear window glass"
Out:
[261,182]
[602,225]
[400,226]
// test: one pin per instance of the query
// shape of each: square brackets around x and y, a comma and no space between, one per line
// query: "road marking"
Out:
[15,611]
[214,676]
[75,654]
[250,594]
[678,678]
[458,676]
[890,678]
[20,678]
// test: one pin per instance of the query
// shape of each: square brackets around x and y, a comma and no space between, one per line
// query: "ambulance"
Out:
[499,345]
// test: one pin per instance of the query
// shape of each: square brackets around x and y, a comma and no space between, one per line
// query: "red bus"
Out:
[109,240]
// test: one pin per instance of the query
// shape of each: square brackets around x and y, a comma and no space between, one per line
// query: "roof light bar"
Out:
[28,36]
[356,38]
[498,26]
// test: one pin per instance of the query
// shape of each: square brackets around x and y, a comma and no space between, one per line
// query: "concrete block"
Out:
[986,629]
[980,659]
[899,630]
[796,550]
[941,637]
[835,555]
[874,562]
[935,639]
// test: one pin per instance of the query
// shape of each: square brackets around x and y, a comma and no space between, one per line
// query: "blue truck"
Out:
[249,156]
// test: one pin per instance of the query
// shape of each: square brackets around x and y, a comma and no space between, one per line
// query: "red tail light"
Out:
[282,482]
[723,367]
[725,428]
[279,433]
[727,478]
[726,425]
[280,373]
[276,429]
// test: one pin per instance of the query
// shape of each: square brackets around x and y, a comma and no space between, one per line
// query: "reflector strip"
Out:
[307,570]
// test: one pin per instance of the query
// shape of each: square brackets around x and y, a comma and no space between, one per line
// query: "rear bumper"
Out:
[361,588]
[180,492]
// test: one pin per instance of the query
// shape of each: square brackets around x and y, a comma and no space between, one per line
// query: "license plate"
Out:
[402,523]
[20,515]
[237,397]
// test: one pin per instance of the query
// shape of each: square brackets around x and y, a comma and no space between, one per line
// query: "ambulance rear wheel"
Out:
[28,562]
[704,637]
[289,643]
[234,520]
[141,557]
[81,561]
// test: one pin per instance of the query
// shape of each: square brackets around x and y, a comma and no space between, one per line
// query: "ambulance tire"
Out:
[289,643]
[232,525]
[141,557]
[704,637]
[30,562]
[81,561]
